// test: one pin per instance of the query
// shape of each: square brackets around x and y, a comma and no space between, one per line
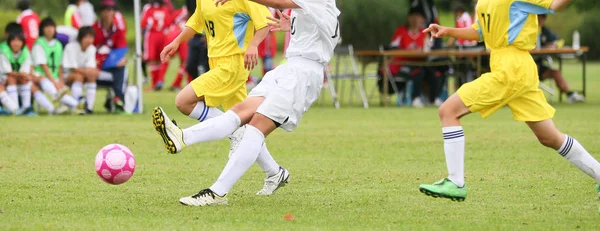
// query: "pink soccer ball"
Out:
[115,164]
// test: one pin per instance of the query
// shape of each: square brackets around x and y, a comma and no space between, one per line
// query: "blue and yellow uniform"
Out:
[229,29]
[509,29]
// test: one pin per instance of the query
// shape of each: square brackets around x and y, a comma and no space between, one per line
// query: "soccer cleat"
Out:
[275,182]
[204,198]
[598,190]
[445,189]
[171,134]
[62,92]
[236,138]
[62,109]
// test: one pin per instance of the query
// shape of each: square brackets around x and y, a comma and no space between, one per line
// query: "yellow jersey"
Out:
[229,28]
[503,23]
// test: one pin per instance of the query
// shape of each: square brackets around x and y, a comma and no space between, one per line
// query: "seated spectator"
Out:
[548,39]
[79,63]
[112,49]
[17,66]
[9,95]
[29,21]
[47,56]
[409,37]
[72,16]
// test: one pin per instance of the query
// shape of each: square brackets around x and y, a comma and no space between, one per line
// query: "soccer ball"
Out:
[115,164]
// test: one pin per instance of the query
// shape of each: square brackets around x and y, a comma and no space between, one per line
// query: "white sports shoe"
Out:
[438,102]
[418,103]
[171,134]
[236,138]
[275,182]
[62,109]
[575,98]
[203,198]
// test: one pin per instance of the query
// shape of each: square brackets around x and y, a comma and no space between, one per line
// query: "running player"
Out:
[279,100]
[231,31]
[513,81]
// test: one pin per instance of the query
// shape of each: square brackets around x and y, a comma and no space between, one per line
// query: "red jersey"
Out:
[155,18]
[405,40]
[464,21]
[30,22]
[180,17]
[268,47]
[107,40]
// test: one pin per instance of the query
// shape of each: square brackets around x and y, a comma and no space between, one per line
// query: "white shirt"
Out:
[314,30]
[74,57]
[87,13]
[38,55]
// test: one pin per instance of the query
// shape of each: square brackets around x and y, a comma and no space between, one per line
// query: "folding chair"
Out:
[346,70]
[105,81]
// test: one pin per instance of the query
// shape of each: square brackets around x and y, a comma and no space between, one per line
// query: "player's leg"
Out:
[6,100]
[483,95]
[75,80]
[12,90]
[24,87]
[90,76]
[41,99]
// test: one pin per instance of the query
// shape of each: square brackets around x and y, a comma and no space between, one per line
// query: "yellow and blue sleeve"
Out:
[258,14]
[477,27]
[542,3]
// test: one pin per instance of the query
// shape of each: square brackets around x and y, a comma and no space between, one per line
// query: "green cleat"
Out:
[445,189]
[598,190]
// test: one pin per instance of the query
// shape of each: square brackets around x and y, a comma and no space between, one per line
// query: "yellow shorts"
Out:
[513,82]
[225,83]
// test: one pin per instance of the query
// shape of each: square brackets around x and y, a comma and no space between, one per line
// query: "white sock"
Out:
[578,156]
[43,101]
[13,94]
[68,100]
[213,129]
[7,102]
[454,147]
[202,112]
[77,90]
[241,160]
[25,94]
[48,87]
[266,162]
[90,95]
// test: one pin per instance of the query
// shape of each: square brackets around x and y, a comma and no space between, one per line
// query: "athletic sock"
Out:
[43,101]
[7,102]
[201,112]
[578,156]
[68,100]
[266,162]
[48,87]
[214,129]
[241,160]
[155,73]
[454,147]
[13,94]
[25,94]
[77,90]
[90,95]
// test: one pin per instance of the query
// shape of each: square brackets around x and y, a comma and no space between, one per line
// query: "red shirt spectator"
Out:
[156,18]
[107,40]
[30,22]
[405,39]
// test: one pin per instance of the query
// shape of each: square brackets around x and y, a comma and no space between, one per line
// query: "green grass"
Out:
[352,169]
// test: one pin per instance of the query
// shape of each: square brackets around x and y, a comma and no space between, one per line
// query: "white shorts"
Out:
[289,91]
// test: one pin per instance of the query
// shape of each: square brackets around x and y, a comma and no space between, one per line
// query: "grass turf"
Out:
[352,169]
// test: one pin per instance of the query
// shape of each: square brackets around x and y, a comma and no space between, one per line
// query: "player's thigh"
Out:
[187,96]
[486,94]
[531,106]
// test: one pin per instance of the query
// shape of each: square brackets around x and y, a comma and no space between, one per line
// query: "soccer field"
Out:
[351,169]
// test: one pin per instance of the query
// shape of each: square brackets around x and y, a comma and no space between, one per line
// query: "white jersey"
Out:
[74,57]
[314,30]
[6,67]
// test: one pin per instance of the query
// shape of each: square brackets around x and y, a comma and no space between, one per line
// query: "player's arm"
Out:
[251,57]
[467,33]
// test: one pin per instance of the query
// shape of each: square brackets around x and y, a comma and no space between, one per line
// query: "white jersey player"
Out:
[279,100]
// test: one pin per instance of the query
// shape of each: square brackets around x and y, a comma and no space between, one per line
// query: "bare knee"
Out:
[246,110]
[549,140]
[91,74]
